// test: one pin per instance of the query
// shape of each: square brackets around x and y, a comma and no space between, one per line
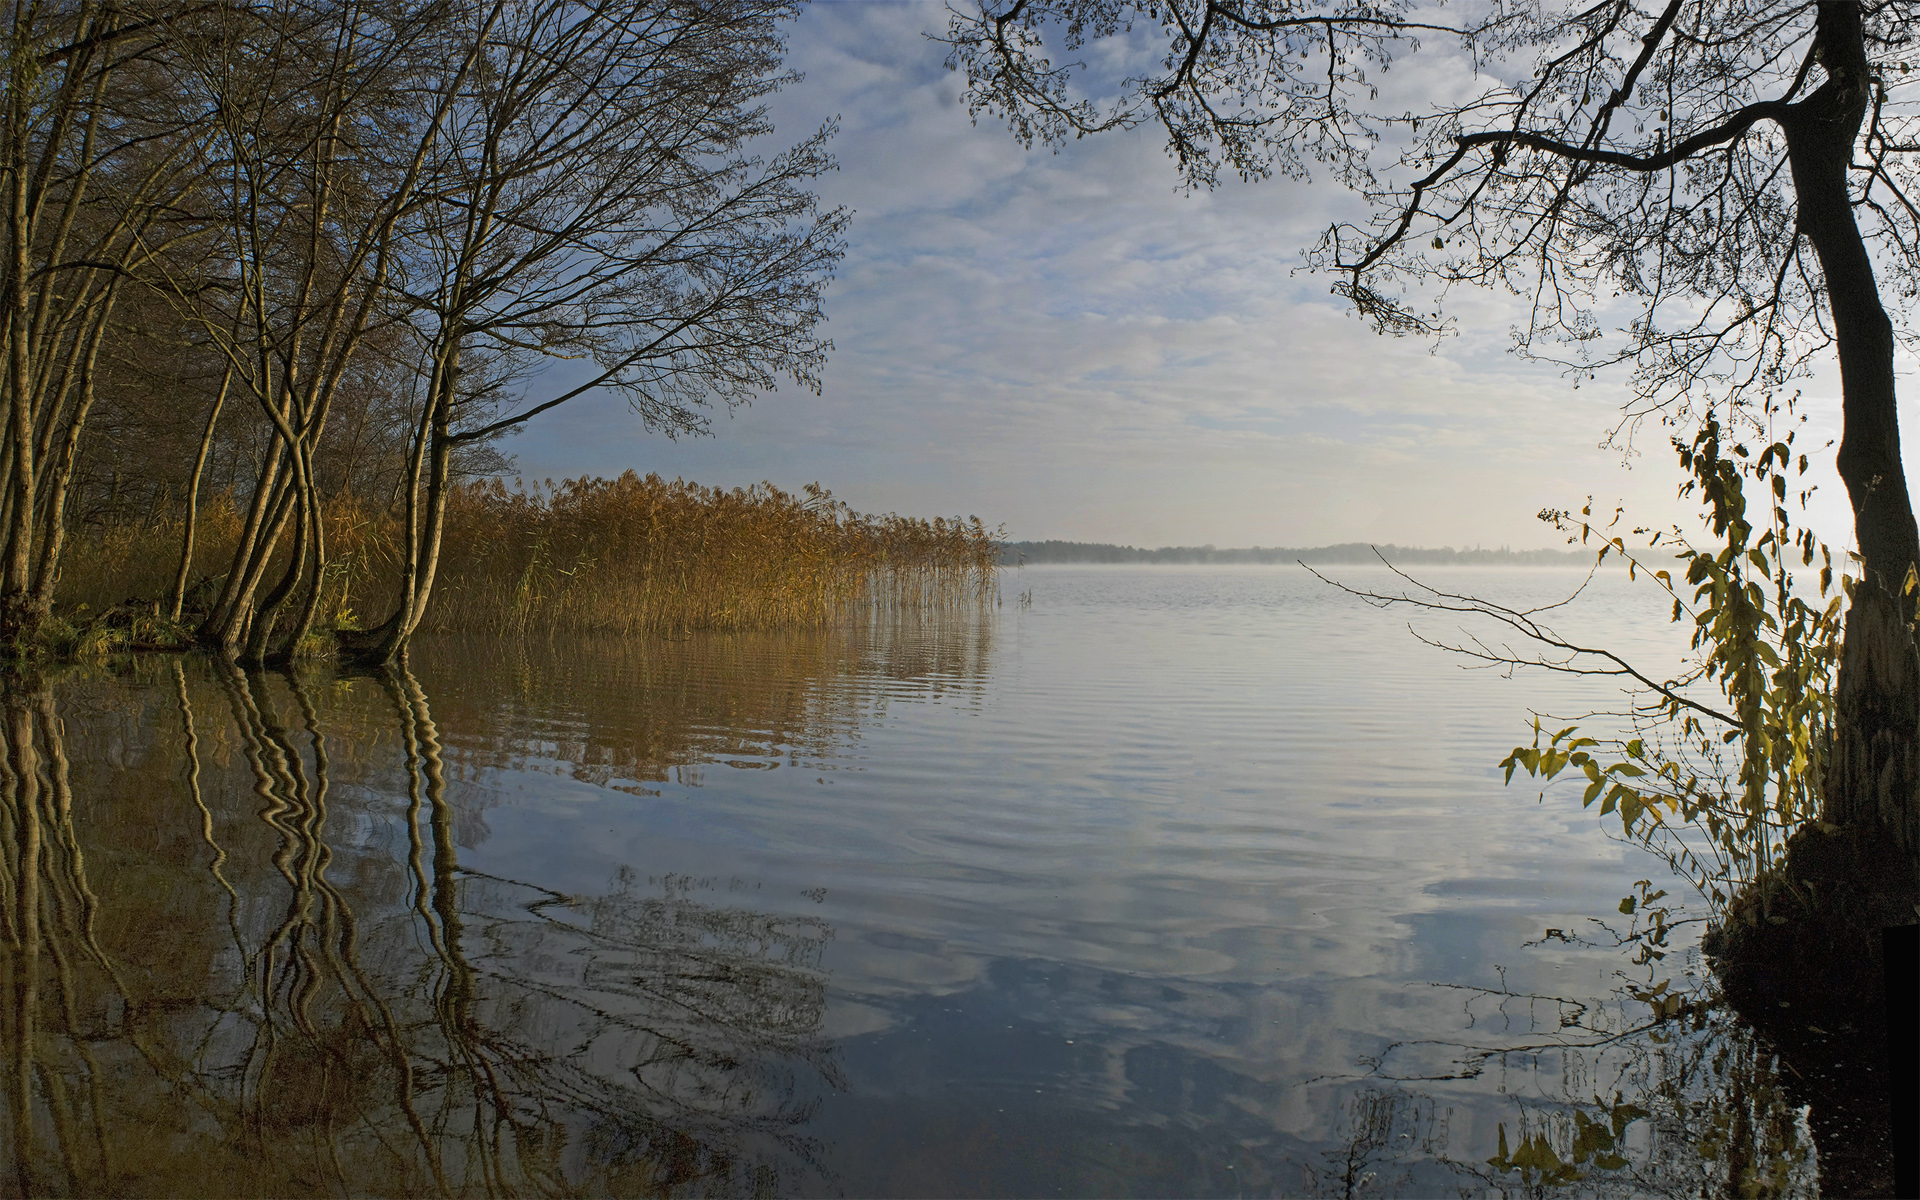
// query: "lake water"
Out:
[1149,881]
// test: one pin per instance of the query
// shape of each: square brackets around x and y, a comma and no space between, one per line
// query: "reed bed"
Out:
[134,562]
[633,555]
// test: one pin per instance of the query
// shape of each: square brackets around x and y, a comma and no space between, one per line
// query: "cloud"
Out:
[1069,344]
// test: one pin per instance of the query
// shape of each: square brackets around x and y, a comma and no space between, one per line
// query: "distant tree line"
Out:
[1017,553]
[271,254]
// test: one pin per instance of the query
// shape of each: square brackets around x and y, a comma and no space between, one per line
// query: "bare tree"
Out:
[1741,174]
[326,111]
[91,163]
[594,200]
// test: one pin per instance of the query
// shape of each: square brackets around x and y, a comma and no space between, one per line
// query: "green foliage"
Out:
[84,636]
[1727,759]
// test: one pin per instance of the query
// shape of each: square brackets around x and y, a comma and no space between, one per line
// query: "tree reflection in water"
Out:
[630,714]
[283,1006]
[243,954]
[1638,1095]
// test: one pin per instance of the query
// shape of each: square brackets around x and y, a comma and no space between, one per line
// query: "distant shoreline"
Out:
[1017,553]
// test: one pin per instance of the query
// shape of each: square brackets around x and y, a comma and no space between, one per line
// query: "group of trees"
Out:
[289,248]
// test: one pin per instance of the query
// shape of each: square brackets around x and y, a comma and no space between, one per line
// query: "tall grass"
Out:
[626,556]
[134,561]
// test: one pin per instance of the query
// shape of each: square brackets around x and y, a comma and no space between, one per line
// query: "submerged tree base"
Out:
[1799,959]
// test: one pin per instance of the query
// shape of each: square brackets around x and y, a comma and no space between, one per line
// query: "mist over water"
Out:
[1149,881]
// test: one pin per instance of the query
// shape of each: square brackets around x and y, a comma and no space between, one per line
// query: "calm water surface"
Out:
[1172,881]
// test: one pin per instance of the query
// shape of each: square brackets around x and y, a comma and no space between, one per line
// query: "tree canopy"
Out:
[1586,156]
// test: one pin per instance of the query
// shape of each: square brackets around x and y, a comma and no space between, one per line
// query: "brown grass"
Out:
[627,556]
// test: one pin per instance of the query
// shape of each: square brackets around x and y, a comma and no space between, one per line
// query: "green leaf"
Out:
[1631,806]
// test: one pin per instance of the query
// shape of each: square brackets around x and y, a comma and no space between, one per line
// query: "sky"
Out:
[1071,346]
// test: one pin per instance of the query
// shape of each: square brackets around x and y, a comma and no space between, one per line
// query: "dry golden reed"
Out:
[631,555]
[106,565]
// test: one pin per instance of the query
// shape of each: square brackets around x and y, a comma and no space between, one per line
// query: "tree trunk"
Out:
[431,454]
[1874,771]
[19,622]
[59,470]
[316,556]
[266,493]
[259,636]
[382,645]
[232,630]
[413,604]
[176,599]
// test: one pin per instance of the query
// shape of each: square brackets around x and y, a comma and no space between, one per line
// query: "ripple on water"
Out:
[1177,882]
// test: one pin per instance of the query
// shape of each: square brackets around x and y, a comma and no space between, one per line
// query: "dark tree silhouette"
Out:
[1740,175]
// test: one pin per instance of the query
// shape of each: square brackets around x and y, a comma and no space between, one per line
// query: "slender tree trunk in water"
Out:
[321,403]
[316,575]
[413,602]
[177,598]
[383,643]
[1874,771]
[259,637]
[431,456]
[265,493]
[433,526]
[232,630]
[305,567]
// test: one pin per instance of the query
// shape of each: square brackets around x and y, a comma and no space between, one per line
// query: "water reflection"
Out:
[1572,1097]
[224,976]
[631,714]
[897,912]
[1615,1097]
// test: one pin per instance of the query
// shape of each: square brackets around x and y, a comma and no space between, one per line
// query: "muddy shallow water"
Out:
[1172,881]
